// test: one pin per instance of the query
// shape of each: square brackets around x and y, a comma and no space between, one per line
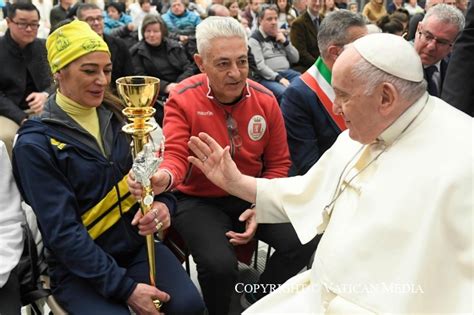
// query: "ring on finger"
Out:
[158,226]
[155,212]
[204,158]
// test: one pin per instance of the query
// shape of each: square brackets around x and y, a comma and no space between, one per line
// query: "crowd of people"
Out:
[306,124]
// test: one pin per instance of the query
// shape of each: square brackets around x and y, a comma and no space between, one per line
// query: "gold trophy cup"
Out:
[139,94]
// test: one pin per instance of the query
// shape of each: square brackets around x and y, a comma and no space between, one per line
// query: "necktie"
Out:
[430,76]
[316,24]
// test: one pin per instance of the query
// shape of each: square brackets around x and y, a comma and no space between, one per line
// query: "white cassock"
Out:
[399,238]
[11,218]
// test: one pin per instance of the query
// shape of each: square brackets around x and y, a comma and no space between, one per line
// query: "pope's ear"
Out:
[199,62]
[390,97]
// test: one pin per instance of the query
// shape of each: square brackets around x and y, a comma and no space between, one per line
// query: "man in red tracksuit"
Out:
[245,116]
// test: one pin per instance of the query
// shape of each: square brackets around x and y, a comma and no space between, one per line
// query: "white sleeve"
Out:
[11,218]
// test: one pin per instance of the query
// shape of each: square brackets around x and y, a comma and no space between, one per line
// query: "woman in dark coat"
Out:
[159,56]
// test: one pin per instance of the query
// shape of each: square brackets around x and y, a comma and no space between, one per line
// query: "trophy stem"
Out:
[139,95]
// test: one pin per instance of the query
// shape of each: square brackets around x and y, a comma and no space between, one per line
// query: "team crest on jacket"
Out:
[256,128]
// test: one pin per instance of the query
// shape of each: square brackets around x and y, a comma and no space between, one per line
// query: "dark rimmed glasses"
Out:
[428,37]
[24,25]
[92,19]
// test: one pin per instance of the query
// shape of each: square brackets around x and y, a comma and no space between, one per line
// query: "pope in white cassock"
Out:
[393,195]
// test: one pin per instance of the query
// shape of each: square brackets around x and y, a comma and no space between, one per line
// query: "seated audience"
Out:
[273,52]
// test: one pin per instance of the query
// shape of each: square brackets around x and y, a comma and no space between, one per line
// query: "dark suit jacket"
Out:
[304,37]
[458,88]
[16,63]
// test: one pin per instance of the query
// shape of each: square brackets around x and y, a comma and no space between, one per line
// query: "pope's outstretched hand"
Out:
[214,161]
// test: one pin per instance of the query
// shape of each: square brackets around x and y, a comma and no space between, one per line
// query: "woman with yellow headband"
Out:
[71,164]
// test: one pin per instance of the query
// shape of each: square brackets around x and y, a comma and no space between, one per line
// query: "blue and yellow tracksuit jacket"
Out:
[81,198]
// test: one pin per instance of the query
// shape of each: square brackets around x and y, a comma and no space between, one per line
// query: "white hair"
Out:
[446,14]
[215,27]
[372,77]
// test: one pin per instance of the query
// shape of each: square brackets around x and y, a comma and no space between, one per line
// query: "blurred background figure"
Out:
[394,5]
[413,8]
[25,79]
[60,11]
[116,17]
[234,10]
[353,6]
[299,7]
[44,7]
[286,15]
[388,24]
[328,7]
[118,46]
[159,56]
[181,25]
[374,10]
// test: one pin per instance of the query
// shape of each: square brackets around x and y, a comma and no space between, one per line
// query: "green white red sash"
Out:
[318,79]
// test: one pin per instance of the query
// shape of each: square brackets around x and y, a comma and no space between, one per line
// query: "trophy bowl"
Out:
[139,94]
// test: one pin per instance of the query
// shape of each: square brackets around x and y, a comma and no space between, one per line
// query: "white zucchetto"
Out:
[392,54]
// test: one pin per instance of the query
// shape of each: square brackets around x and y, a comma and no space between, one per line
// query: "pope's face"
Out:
[226,65]
[434,40]
[85,79]
[359,110]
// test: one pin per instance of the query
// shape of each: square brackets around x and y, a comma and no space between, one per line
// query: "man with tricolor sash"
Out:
[307,103]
